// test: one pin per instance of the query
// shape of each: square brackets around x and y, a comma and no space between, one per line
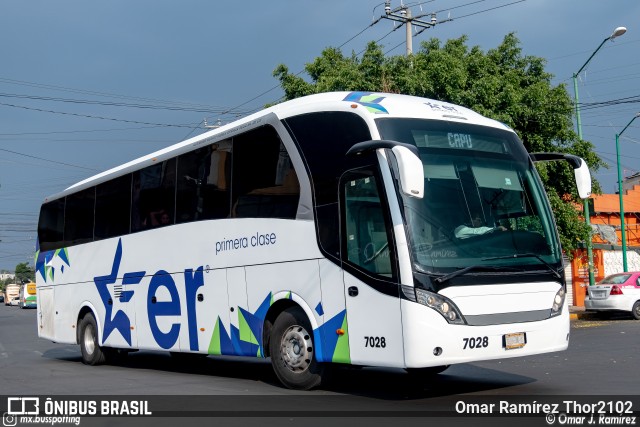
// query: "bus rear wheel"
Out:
[92,353]
[292,351]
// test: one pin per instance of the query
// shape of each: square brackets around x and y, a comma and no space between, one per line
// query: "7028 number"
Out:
[378,342]
[477,342]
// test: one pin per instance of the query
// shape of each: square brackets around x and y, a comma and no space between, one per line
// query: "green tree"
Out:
[24,273]
[501,83]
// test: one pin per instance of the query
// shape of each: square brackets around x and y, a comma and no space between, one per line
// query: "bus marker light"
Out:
[354,105]
[340,332]
[201,329]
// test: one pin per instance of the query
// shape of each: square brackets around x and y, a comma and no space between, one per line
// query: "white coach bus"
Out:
[356,228]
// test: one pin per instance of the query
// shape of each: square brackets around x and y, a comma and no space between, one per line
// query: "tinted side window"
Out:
[51,225]
[78,217]
[153,196]
[204,183]
[324,139]
[113,206]
[264,182]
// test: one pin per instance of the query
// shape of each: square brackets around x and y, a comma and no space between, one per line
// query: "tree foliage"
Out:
[24,273]
[501,83]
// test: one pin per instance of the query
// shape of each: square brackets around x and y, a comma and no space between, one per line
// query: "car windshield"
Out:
[615,279]
[483,202]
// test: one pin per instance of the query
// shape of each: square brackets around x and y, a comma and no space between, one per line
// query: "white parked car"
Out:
[618,292]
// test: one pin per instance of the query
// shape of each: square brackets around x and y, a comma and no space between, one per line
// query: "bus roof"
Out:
[366,104]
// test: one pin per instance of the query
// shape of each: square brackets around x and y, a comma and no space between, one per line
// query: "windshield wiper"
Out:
[446,277]
[527,255]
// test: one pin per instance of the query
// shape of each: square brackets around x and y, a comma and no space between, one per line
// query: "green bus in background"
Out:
[28,295]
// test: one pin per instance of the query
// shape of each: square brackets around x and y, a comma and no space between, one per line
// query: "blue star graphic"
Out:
[120,320]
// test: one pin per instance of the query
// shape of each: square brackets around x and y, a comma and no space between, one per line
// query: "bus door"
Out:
[370,272]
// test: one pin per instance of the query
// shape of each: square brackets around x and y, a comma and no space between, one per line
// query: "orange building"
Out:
[607,237]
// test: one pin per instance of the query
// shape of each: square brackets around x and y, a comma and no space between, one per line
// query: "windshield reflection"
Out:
[483,203]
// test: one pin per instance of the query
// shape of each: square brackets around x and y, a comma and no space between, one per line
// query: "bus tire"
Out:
[92,353]
[293,352]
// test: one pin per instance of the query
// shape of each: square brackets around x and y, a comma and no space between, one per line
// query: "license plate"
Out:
[599,294]
[517,340]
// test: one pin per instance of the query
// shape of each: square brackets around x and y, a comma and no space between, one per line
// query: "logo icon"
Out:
[20,406]
[9,420]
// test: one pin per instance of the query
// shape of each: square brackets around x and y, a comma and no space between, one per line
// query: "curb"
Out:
[582,315]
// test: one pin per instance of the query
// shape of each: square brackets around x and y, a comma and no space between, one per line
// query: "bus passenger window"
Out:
[51,225]
[113,206]
[367,240]
[265,185]
[78,221]
[204,183]
[153,198]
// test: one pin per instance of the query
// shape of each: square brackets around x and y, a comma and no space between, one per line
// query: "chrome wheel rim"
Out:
[296,348]
[89,340]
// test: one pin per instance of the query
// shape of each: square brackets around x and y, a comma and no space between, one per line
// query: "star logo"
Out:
[120,321]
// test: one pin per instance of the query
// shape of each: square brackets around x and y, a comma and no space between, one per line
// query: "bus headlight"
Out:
[441,304]
[558,303]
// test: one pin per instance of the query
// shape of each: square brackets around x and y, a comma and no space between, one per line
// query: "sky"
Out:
[86,86]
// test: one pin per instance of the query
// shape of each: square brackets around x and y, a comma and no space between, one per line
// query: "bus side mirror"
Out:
[410,166]
[410,171]
[580,169]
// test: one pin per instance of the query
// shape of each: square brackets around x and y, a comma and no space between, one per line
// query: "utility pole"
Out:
[403,15]
[208,126]
[409,31]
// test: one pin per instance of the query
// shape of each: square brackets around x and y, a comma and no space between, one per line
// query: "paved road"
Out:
[603,359]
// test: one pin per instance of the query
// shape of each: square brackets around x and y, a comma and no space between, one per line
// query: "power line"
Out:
[47,160]
[122,104]
[78,131]
[459,6]
[488,10]
[459,17]
[97,93]
[93,117]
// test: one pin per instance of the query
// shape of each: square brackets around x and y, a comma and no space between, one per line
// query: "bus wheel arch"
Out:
[272,314]
[83,312]
[292,348]
[88,338]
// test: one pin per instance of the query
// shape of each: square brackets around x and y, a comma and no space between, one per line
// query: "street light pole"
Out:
[616,33]
[622,221]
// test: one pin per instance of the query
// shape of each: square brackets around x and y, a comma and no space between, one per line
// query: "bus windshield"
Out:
[483,205]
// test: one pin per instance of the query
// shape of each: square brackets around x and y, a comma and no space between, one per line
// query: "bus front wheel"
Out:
[293,352]
[92,353]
